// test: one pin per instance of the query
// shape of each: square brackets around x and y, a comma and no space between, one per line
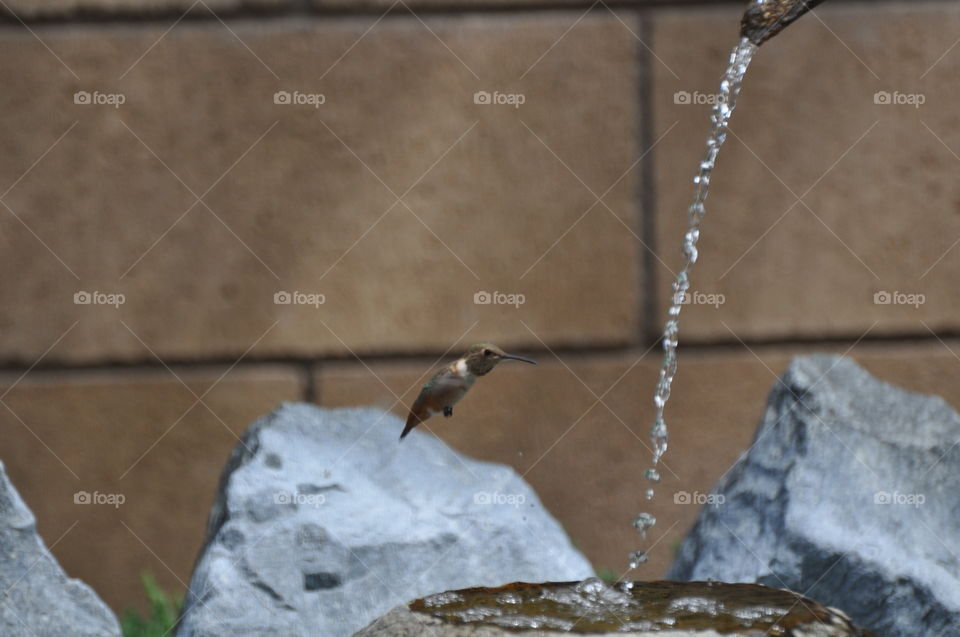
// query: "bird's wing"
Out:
[447,379]
[445,388]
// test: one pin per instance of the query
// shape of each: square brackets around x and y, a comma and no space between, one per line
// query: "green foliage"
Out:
[675,546]
[162,615]
[607,574]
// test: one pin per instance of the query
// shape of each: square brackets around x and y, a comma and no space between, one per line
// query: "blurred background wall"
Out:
[212,207]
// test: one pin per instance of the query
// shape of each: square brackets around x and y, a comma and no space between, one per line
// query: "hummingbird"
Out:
[452,383]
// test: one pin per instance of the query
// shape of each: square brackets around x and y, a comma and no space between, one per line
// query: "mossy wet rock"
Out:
[324,521]
[38,599]
[654,609]
[851,494]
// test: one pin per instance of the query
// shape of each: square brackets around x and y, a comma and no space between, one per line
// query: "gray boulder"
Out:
[849,495]
[38,599]
[324,521]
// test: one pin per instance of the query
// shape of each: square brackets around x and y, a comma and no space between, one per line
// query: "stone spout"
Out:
[763,19]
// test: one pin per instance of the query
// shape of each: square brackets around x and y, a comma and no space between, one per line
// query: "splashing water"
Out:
[720,117]
[593,606]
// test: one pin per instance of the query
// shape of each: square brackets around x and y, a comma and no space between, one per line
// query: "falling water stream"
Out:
[593,605]
[720,117]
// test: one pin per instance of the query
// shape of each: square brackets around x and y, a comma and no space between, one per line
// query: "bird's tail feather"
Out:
[412,421]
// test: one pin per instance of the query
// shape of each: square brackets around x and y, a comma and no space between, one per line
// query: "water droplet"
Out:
[653,475]
[649,494]
[591,586]
[637,558]
[643,522]
[659,428]
[671,330]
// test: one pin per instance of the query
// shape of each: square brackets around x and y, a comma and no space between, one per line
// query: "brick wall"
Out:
[147,152]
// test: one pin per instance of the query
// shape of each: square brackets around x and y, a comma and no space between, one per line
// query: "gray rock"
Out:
[38,599]
[324,521]
[850,495]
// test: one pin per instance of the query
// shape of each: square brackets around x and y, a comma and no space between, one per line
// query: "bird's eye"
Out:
[487,352]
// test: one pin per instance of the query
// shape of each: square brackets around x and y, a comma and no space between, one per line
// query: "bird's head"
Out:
[483,357]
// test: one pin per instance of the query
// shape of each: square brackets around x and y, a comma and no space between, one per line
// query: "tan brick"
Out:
[66,8]
[482,210]
[26,9]
[586,461]
[883,209]
[138,434]
[466,4]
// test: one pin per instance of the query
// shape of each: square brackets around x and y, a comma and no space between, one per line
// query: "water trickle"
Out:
[719,118]
[643,522]
[637,558]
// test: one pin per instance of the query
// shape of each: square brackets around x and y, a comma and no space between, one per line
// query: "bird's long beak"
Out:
[519,358]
